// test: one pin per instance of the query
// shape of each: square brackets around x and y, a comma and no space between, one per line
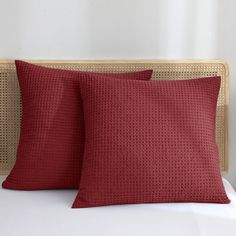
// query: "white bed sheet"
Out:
[44,213]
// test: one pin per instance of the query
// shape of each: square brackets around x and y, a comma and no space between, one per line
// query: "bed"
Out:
[49,212]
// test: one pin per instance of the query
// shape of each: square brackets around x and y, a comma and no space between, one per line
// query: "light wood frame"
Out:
[10,106]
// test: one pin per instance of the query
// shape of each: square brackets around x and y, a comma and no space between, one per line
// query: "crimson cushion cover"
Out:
[50,149]
[150,142]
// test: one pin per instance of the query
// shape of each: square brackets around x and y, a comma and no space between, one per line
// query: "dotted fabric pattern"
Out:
[50,150]
[150,142]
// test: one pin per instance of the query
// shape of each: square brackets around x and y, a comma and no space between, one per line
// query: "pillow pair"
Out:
[145,141]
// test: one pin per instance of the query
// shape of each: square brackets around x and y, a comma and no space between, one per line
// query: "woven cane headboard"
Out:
[10,105]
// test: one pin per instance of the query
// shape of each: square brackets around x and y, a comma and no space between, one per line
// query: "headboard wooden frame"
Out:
[10,104]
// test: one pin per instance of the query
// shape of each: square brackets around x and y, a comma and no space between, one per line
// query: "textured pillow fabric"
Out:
[50,150]
[150,142]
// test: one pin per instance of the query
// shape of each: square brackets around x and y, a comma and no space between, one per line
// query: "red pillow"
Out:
[150,142]
[51,142]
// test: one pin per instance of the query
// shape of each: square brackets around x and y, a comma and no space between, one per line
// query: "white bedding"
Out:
[44,213]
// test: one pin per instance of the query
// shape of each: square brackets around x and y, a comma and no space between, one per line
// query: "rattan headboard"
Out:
[10,105]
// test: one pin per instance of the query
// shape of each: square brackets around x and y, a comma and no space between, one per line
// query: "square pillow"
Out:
[150,142]
[50,149]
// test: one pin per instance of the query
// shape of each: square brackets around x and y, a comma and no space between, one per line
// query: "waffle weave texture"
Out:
[150,142]
[50,149]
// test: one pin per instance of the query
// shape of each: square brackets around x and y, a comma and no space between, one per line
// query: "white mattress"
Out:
[44,213]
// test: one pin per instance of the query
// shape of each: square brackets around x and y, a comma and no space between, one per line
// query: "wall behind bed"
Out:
[124,29]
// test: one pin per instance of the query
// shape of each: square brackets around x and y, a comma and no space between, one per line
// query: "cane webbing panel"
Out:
[10,104]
